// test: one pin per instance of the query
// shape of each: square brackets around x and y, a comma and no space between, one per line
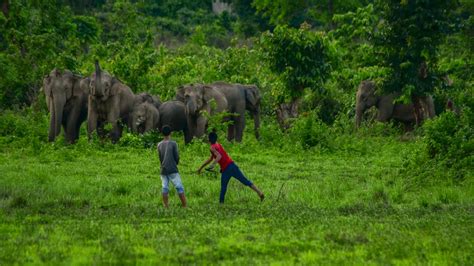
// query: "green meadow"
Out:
[98,203]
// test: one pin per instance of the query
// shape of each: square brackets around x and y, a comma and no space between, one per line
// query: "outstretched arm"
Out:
[204,164]
[216,154]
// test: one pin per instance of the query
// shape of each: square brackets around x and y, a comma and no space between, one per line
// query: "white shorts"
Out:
[175,179]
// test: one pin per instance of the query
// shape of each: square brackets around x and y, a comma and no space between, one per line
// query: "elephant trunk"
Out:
[56,116]
[134,123]
[98,76]
[191,107]
[52,119]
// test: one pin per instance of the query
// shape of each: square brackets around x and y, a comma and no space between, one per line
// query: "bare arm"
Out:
[204,164]
[176,153]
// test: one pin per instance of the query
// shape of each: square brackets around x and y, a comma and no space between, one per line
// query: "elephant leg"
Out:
[52,121]
[231,130]
[115,133]
[101,130]
[91,120]
[187,136]
[73,124]
[256,120]
[192,127]
[149,124]
[239,127]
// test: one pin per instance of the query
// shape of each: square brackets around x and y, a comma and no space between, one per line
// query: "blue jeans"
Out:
[231,171]
[175,179]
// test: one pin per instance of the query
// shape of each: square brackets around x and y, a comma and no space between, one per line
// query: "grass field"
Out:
[101,204]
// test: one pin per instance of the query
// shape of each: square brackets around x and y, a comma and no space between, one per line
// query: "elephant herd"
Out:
[102,100]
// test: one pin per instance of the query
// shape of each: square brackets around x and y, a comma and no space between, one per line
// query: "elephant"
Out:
[404,113]
[145,117]
[146,97]
[240,98]
[66,98]
[110,101]
[173,114]
[199,98]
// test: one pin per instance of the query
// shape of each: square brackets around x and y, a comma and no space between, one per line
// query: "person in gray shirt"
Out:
[169,160]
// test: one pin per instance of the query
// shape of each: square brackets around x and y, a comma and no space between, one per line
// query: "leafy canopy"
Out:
[408,42]
[301,57]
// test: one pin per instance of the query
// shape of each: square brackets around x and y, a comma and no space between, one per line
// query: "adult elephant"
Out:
[240,98]
[145,117]
[405,113]
[66,98]
[110,101]
[173,114]
[200,98]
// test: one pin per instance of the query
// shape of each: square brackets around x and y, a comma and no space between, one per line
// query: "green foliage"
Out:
[310,132]
[283,12]
[450,137]
[36,37]
[315,12]
[28,127]
[409,38]
[301,57]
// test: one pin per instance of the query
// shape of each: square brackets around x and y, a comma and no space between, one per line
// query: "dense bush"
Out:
[309,131]
[450,137]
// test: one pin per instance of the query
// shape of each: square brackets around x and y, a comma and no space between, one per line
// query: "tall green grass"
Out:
[355,203]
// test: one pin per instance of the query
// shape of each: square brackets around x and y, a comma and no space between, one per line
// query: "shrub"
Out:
[310,131]
[450,137]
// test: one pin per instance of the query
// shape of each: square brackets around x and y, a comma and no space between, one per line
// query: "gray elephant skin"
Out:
[145,118]
[199,98]
[146,97]
[110,101]
[66,98]
[239,99]
[173,114]
[366,98]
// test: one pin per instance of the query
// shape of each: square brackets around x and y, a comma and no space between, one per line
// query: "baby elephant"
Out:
[145,117]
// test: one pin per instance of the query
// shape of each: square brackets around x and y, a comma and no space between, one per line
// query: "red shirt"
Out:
[225,159]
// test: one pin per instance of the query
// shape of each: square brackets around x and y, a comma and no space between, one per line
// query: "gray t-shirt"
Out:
[169,156]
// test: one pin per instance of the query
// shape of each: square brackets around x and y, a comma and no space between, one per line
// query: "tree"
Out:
[302,59]
[408,42]
[316,12]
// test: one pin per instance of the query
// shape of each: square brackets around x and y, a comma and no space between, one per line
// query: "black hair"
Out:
[166,130]
[212,137]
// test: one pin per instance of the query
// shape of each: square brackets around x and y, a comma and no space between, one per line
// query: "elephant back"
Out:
[173,114]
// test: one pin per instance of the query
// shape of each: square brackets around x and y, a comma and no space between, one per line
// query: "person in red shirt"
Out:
[228,168]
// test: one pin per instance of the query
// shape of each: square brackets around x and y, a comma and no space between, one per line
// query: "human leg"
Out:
[165,189]
[241,177]
[178,184]
[225,177]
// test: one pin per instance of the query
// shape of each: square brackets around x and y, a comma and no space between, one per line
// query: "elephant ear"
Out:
[180,94]
[208,92]
[252,95]
[156,101]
